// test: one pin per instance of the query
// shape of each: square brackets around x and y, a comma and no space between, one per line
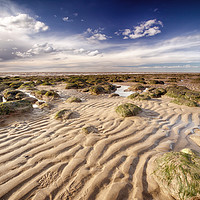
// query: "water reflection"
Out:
[122,91]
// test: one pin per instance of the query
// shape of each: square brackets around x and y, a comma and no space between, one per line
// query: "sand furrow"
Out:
[42,158]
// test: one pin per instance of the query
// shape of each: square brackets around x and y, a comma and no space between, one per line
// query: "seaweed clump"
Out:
[183,96]
[73,99]
[128,109]
[46,95]
[63,114]
[15,107]
[11,95]
[140,97]
[178,174]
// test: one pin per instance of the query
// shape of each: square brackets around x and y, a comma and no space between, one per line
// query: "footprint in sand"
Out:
[48,179]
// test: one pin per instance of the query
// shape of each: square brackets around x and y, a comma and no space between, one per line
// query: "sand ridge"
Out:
[44,158]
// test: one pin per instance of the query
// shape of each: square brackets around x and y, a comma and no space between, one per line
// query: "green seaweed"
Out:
[128,109]
[179,169]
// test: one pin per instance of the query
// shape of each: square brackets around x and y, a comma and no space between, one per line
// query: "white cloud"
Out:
[96,35]
[66,19]
[37,49]
[75,14]
[147,28]
[23,49]
[21,23]
[78,51]
[93,53]
[126,32]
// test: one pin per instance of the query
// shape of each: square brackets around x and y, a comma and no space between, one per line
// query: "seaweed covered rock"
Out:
[143,96]
[73,99]
[63,114]
[46,95]
[128,109]
[102,89]
[15,107]
[176,91]
[3,87]
[30,85]
[113,95]
[156,92]
[72,86]
[183,95]
[156,82]
[16,84]
[137,87]
[11,95]
[50,95]
[183,101]
[45,106]
[89,129]
[178,174]
[109,88]
[133,96]
[97,89]
[140,97]
[39,93]
[30,99]
[85,90]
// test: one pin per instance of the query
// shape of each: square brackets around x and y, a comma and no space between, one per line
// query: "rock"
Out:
[143,96]
[11,95]
[183,101]
[44,105]
[39,93]
[133,96]
[137,87]
[156,92]
[50,95]
[73,99]
[45,95]
[102,89]
[3,87]
[39,103]
[97,89]
[71,86]
[128,109]
[156,82]
[89,129]
[15,107]
[113,95]
[85,90]
[178,174]
[63,114]
[139,97]
[30,99]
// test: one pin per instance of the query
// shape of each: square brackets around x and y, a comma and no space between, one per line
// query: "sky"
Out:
[99,36]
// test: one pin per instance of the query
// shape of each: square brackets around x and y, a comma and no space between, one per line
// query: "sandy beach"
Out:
[44,158]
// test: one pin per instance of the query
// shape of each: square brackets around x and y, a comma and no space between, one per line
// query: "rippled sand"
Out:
[42,158]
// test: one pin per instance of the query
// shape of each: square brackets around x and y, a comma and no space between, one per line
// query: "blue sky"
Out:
[94,35]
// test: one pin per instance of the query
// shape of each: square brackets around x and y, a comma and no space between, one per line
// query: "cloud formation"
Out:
[37,49]
[66,19]
[22,48]
[96,35]
[147,28]
[93,53]
[21,23]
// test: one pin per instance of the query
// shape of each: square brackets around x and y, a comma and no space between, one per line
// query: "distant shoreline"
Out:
[84,73]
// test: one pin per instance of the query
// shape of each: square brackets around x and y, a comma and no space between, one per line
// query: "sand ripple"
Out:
[42,158]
